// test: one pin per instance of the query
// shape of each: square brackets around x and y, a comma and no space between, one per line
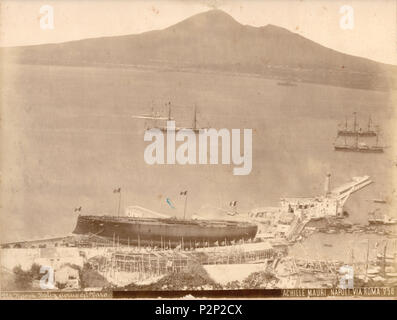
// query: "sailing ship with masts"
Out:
[356,130]
[356,135]
[195,128]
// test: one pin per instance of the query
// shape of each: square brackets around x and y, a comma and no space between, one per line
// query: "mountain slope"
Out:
[213,40]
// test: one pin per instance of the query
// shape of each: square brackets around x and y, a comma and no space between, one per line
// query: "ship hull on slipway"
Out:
[174,232]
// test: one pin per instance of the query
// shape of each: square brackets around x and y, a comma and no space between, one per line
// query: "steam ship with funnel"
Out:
[164,230]
[164,127]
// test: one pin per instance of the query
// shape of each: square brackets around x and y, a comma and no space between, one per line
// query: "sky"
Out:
[374,34]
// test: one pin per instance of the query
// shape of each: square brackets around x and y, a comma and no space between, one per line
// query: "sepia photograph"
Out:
[199,148]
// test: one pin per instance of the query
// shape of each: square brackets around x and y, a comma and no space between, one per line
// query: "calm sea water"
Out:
[69,140]
[346,247]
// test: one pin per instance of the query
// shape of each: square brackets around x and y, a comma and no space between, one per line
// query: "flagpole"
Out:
[184,209]
[118,209]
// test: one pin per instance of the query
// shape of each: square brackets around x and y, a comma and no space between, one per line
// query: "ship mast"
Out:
[355,122]
[184,208]
[118,190]
[384,261]
[169,111]
[184,193]
[369,124]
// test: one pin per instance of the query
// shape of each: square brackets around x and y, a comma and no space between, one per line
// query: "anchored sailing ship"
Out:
[369,132]
[289,82]
[355,133]
[153,115]
[164,128]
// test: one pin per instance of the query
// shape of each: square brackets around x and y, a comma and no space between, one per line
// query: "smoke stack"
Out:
[327,185]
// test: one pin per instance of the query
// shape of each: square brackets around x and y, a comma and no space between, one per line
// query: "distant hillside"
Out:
[213,40]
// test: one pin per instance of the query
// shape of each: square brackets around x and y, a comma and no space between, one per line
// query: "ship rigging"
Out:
[357,135]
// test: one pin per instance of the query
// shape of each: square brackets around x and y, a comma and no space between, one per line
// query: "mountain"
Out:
[213,40]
